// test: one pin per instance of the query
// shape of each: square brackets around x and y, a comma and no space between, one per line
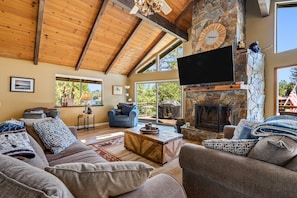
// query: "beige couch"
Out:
[87,172]
[214,173]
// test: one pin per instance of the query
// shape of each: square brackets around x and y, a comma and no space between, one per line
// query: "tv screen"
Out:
[215,66]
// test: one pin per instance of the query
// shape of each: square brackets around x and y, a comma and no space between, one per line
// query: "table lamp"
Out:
[85,97]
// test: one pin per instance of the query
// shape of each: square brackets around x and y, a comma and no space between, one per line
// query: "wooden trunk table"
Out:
[160,148]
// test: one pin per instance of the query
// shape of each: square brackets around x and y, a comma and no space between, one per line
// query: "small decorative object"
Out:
[85,97]
[255,47]
[149,129]
[19,84]
[212,37]
[117,90]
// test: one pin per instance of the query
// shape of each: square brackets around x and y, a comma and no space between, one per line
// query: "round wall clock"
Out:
[212,37]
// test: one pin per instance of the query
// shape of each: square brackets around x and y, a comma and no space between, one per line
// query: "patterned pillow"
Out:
[14,140]
[55,135]
[237,147]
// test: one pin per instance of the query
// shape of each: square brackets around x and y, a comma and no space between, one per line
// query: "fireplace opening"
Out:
[212,118]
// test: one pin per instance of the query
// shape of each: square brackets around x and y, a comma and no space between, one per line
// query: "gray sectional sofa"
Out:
[269,169]
[78,171]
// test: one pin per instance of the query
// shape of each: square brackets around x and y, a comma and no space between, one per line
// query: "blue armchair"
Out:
[125,116]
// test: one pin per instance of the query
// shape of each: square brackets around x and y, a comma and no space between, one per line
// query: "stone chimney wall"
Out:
[245,103]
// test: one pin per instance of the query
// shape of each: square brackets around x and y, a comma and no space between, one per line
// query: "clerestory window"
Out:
[286,30]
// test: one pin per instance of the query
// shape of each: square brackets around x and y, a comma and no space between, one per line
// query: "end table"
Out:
[86,118]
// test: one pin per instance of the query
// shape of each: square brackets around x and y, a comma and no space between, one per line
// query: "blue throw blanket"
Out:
[285,125]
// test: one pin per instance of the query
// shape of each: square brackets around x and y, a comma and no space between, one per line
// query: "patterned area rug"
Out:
[105,142]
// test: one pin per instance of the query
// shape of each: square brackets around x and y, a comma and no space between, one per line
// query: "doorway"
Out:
[159,102]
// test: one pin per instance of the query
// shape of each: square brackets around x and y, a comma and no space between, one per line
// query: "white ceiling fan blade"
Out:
[134,10]
[166,9]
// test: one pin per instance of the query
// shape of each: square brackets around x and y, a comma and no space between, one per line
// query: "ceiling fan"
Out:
[148,7]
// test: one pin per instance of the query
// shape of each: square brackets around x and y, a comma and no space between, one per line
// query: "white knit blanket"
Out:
[285,125]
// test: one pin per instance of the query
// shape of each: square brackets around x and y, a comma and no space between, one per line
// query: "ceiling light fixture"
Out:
[149,7]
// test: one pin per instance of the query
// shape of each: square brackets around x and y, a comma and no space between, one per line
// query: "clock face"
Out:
[212,37]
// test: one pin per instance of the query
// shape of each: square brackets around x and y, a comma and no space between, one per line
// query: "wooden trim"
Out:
[38,30]
[217,88]
[92,33]
[185,11]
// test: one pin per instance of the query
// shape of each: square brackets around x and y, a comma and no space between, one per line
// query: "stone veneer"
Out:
[249,66]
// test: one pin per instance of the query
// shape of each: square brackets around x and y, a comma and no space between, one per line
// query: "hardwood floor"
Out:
[172,168]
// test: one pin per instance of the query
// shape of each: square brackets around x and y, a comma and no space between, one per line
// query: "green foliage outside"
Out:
[284,87]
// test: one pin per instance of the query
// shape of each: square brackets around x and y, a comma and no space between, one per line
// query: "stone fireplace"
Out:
[245,99]
[212,118]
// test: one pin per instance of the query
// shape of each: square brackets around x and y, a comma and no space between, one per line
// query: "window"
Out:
[286,30]
[76,91]
[165,61]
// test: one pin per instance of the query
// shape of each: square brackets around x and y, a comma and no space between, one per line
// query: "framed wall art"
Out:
[117,90]
[19,84]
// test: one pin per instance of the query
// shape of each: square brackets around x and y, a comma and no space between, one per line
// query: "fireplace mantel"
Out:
[217,88]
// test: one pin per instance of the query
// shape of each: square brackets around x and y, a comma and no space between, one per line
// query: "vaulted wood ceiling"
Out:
[98,35]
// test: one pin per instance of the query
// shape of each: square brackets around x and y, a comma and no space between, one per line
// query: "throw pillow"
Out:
[31,130]
[245,133]
[102,179]
[19,179]
[55,135]
[238,147]
[240,125]
[126,109]
[11,125]
[274,149]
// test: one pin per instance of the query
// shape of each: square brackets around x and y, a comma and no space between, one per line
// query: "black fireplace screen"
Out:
[212,118]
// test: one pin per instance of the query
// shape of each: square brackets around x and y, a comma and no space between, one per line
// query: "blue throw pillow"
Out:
[126,109]
[245,133]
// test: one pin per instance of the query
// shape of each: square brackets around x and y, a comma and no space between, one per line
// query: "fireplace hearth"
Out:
[212,117]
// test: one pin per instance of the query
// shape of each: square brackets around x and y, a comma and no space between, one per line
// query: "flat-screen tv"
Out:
[210,67]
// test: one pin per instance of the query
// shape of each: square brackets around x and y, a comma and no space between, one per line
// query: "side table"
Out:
[86,118]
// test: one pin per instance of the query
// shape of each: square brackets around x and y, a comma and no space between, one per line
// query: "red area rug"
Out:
[99,147]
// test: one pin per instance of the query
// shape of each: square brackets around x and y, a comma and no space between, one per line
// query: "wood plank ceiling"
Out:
[98,35]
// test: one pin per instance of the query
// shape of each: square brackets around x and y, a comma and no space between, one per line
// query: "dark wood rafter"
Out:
[138,25]
[151,47]
[92,33]
[264,7]
[157,20]
[188,9]
[38,30]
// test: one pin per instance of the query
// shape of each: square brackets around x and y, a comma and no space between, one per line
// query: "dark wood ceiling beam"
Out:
[38,31]
[188,9]
[264,7]
[151,47]
[132,34]
[156,20]
[91,35]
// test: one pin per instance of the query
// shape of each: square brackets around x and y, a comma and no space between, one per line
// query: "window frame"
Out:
[80,80]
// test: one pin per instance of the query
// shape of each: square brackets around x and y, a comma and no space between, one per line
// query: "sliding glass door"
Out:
[159,102]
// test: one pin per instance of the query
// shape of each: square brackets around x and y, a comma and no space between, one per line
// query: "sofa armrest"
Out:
[133,113]
[73,130]
[161,185]
[229,131]
[249,177]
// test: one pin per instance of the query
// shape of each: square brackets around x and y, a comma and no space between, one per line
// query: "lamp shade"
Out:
[85,96]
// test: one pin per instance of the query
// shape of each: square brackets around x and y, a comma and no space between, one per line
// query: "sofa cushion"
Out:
[240,125]
[274,149]
[31,130]
[102,179]
[238,147]
[19,179]
[55,135]
[292,164]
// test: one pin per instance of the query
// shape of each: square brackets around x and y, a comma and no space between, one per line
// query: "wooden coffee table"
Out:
[161,148]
